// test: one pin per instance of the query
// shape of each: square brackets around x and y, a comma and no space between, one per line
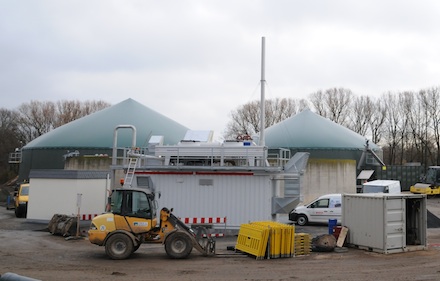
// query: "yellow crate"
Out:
[267,239]
[281,238]
[302,244]
[252,239]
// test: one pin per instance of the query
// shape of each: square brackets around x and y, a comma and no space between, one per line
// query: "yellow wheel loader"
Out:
[430,183]
[21,198]
[133,221]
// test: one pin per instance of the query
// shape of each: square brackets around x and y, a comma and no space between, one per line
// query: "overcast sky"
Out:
[196,61]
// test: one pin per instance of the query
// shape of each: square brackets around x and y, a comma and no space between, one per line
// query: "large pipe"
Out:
[115,149]
[115,140]
[263,106]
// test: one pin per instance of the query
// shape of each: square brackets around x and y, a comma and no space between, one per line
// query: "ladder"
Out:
[130,171]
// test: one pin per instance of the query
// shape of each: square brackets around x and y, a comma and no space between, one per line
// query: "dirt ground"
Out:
[28,250]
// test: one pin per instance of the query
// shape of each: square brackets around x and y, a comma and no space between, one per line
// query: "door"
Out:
[325,209]
[395,223]
[133,211]
[319,211]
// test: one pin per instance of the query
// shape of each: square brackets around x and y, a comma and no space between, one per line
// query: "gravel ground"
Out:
[29,250]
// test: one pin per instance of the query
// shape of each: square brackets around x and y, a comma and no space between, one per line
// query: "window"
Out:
[322,203]
[137,204]
[116,202]
[24,190]
[131,203]
[206,182]
[144,181]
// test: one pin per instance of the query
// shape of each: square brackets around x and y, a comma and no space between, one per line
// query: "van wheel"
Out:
[301,220]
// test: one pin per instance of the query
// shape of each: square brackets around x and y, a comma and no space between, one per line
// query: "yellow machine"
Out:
[132,221]
[430,183]
[21,198]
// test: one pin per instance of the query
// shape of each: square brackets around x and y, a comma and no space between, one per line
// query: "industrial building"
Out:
[328,151]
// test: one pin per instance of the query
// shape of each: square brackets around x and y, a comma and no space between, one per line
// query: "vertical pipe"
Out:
[263,82]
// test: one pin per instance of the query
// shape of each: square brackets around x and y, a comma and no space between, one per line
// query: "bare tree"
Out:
[245,120]
[9,138]
[363,110]
[405,102]
[431,101]
[421,126]
[68,111]
[318,101]
[417,128]
[395,125]
[377,121]
[36,118]
[334,103]
[89,107]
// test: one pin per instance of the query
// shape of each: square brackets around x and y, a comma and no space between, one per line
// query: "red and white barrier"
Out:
[207,221]
[204,220]
[214,235]
[87,217]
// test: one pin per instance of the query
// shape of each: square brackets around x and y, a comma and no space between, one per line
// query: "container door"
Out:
[395,223]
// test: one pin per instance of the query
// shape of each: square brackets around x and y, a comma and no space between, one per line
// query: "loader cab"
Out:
[133,203]
[432,175]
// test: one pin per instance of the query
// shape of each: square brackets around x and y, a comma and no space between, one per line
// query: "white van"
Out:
[381,186]
[319,210]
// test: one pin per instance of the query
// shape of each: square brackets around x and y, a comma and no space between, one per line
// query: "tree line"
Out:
[35,118]
[405,124]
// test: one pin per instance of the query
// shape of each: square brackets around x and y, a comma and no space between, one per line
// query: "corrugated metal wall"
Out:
[408,175]
[385,223]
[239,198]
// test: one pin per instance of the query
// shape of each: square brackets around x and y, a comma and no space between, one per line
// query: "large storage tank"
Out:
[385,223]
[93,135]
[335,152]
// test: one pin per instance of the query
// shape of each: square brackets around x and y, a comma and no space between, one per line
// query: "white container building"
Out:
[385,223]
[204,179]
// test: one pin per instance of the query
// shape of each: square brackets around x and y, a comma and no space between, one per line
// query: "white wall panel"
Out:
[239,198]
[59,196]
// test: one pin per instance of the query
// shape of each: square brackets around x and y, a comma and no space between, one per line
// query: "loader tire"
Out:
[178,245]
[119,246]
[18,212]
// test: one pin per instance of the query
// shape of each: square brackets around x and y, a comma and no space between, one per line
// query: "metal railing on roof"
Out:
[15,157]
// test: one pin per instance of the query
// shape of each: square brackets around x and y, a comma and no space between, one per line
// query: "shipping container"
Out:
[385,223]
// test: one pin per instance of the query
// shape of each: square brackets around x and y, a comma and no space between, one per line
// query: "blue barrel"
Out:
[331,224]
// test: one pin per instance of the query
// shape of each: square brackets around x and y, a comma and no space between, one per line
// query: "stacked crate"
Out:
[266,239]
[303,244]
